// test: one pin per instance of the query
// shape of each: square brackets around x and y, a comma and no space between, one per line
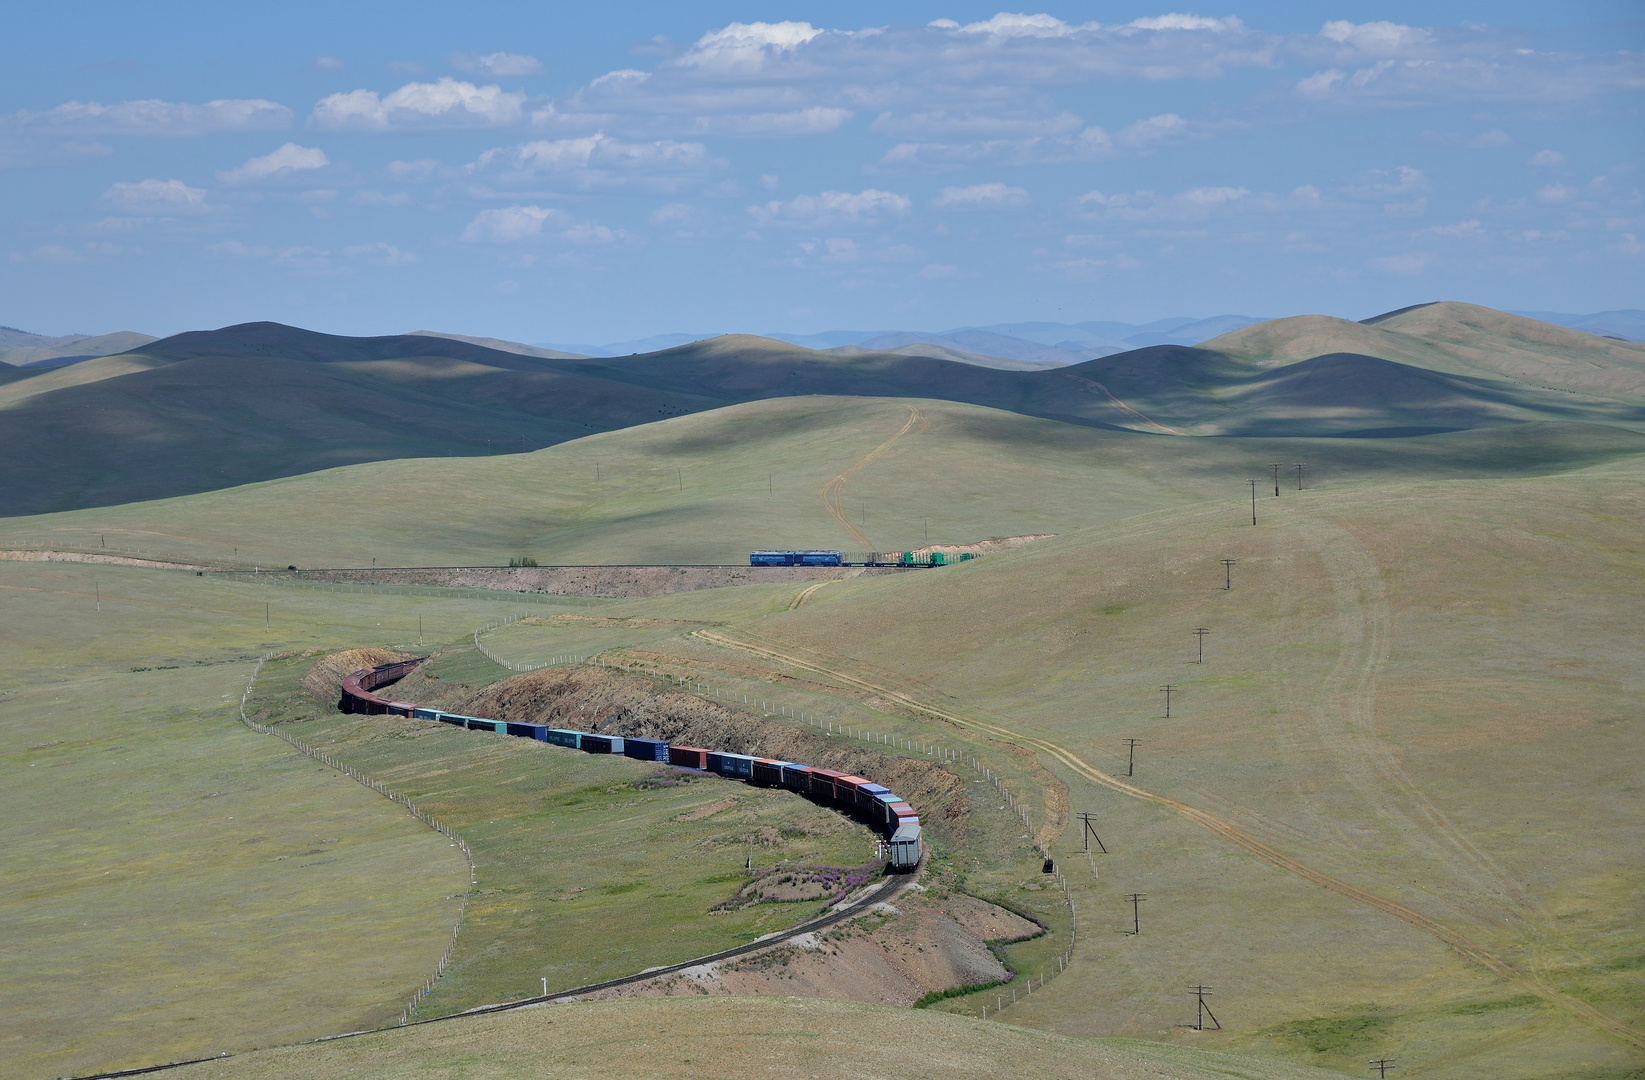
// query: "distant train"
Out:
[854,795]
[856,558]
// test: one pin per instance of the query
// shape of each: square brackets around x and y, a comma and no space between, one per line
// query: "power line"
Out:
[1253,484]
[1134,899]
[1089,833]
[1382,1065]
[1301,465]
[1168,689]
[1201,993]
[1131,755]
[1276,466]
[1228,573]
[1199,633]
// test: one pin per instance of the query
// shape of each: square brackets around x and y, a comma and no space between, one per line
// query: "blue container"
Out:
[602,744]
[425,714]
[528,731]
[452,718]
[565,737]
[645,749]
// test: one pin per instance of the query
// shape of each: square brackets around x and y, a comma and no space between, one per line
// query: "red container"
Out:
[688,757]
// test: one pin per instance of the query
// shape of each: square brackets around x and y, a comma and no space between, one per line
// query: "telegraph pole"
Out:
[1228,573]
[1200,632]
[1382,1065]
[1135,899]
[1301,465]
[1131,755]
[1090,833]
[1276,466]
[1168,689]
[1201,993]
[1253,484]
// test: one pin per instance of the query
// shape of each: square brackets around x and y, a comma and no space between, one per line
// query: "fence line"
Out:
[404,800]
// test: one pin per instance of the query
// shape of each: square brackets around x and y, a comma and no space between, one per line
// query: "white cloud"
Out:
[295,256]
[1493,137]
[1194,204]
[1548,157]
[673,214]
[594,151]
[444,104]
[421,169]
[746,47]
[156,196]
[497,65]
[373,197]
[1407,264]
[1462,230]
[1012,26]
[981,197]
[1186,22]
[832,206]
[155,117]
[1155,129]
[1556,193]
[288,159]
[381,254]
[510,223]
[1375,37]
[325,63]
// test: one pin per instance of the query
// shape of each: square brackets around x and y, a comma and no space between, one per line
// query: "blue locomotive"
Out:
[795,558]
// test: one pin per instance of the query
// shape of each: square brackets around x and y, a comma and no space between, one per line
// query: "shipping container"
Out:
[768,773]
[645,749]
[528,731]
[601,744]
[688,757]
[797,778]
[425,714]
[822,784]
[565,737]
[401,708]
[452,718]
[845,789]
[480,723]
[734,765]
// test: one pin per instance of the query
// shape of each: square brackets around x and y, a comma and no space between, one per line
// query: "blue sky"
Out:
[559,172]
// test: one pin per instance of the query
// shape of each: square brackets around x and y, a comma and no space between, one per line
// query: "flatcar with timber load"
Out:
[857,796]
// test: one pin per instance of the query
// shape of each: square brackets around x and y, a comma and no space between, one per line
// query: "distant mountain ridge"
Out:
[1040,344]
[19,347]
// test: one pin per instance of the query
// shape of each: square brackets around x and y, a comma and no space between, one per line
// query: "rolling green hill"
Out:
[215,409]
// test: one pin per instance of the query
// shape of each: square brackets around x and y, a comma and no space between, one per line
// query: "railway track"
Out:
[881,894]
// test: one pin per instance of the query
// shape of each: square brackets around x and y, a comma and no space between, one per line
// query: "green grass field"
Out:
[711,487]
[1420,685]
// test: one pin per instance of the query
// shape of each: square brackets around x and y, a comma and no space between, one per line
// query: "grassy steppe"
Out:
[736,1038]
[175,884]
[709,488]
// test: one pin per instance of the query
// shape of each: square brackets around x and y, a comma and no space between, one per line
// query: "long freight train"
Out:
[855,795]
[855,558]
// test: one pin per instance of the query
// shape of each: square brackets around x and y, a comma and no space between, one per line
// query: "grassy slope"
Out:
[738,1038]
[1463,339]
[262,400]
[1415,688]
[751,477]
[176,884]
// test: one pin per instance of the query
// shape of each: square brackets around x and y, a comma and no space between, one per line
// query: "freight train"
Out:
[784,557]
[854,795]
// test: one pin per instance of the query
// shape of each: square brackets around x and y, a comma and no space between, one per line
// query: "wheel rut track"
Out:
[831,492]
[1221,829]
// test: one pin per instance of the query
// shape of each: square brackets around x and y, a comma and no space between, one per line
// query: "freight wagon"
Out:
[855,795]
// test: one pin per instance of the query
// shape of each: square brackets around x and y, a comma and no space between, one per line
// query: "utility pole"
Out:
[1135,899]
[265,616]
[1200,632]
[420,638]
[1382,1065]
[1089,833]
[1131,756]
[1253,484]
[1301,465]
[1168,689]
[1201,993]
[1228,573]
[679,474]
[97,590]
[1276,466]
